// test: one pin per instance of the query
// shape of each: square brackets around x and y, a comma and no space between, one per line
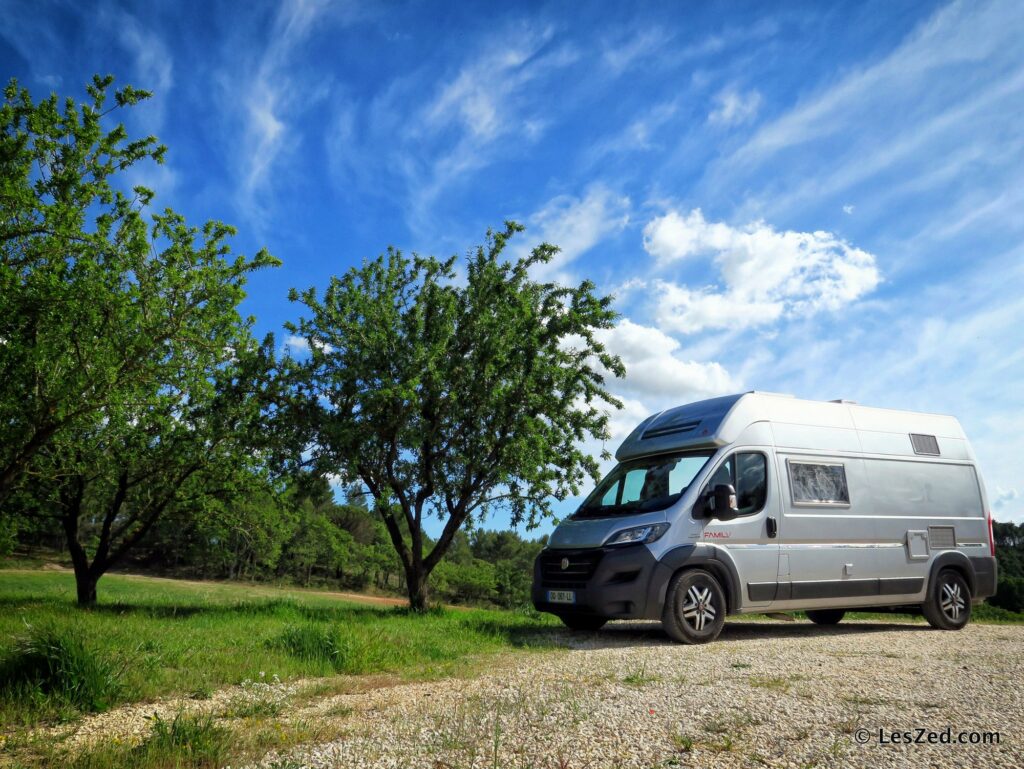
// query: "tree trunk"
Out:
[419,593]
[85,586]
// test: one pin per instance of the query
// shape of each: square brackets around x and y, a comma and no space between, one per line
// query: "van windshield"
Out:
[644,485]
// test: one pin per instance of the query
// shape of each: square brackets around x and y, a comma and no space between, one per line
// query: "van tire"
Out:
[582,622]
[948,604]
[695,607]
[825,616]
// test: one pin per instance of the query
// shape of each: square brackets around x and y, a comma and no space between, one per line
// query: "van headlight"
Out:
[637,534]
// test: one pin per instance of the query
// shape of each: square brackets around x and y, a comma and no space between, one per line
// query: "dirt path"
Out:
[250,588]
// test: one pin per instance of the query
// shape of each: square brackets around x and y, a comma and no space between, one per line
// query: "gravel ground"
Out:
[766,693]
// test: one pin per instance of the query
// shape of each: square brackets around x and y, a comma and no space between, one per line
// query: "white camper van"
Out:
[763,502]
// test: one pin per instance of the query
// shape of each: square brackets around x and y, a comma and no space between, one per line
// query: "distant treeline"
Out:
[1010,554]
[306,537]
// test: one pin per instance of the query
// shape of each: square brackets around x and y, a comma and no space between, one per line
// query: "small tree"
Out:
[447,396]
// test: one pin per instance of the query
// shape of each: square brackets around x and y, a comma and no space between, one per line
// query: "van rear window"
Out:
[818,483]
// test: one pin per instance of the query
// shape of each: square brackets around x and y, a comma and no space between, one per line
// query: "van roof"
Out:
[720,421]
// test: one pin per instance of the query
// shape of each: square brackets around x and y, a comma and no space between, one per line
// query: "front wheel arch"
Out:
[696,556]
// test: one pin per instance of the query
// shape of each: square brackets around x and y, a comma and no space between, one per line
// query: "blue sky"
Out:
[787,197]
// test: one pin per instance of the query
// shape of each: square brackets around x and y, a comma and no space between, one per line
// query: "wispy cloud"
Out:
[622,53]
[575,225]
[733,107]
[950,90]
[269,94]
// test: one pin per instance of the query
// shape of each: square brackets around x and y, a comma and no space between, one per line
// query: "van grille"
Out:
[580,567]
[941,537]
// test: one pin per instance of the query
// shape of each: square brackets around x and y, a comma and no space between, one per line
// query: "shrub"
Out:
[55,664]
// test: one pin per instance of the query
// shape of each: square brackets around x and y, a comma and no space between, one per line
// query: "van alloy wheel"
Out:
[700,608]
[695,607]
[952,600]
[948,605]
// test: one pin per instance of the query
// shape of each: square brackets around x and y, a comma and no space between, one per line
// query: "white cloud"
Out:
[655,371]
[272,98]
[479,97]
[657,377]
[297,343]
[733,107]
[621,55]
[270,93]
[1006,499]
[767,274]
[638,135]
[484,111]
[575,225]
[848,209]
[950,90]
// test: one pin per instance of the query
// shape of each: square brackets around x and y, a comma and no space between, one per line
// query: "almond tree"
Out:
[126,370]
[446,393]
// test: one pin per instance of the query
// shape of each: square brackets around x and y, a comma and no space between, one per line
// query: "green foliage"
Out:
[447,397]
[51,667]
[129,383]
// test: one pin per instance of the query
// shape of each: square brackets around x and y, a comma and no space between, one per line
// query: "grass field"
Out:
[148,638]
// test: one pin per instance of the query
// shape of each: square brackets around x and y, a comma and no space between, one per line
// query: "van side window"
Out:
[748,474]
[818,483]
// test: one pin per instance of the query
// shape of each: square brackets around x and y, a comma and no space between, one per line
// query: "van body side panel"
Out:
[831,547]
[937,503]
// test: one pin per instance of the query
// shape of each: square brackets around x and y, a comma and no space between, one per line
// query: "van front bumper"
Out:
[609,582]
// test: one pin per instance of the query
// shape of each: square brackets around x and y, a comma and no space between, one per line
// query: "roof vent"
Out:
[672,428]
[925,444]
[843,400]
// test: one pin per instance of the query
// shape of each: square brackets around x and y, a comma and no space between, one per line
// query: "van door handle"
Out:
[773,527]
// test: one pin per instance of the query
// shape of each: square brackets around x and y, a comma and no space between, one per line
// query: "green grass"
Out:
[150,637]
[196,742]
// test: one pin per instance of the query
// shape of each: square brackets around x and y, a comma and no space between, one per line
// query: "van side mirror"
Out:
[722,503]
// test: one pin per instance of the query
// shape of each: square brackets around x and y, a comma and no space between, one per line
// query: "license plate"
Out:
[561,596]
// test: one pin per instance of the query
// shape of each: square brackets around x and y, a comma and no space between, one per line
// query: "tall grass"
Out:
[192,741]
[51,670]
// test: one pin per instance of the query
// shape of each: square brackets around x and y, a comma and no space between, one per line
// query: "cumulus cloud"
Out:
[656,372]
[733,107]
[658,376]
[766,274]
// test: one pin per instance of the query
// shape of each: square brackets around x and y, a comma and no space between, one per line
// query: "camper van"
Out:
[763,502]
